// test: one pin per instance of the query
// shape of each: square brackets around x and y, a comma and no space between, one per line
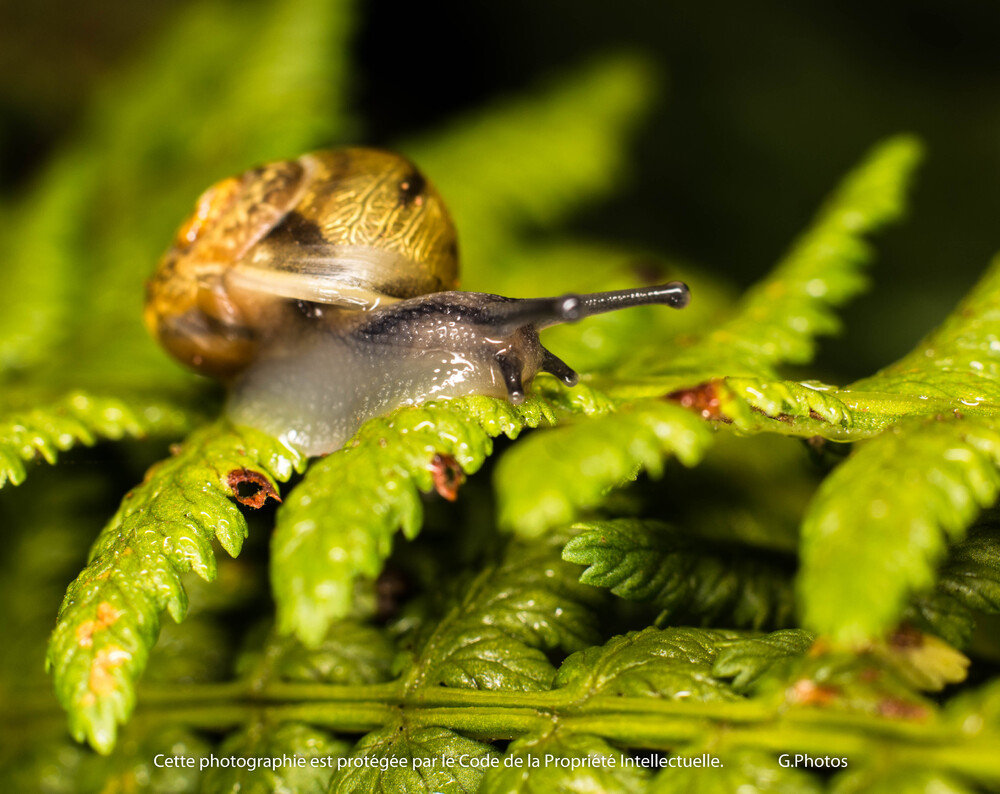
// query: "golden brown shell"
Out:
[352,228]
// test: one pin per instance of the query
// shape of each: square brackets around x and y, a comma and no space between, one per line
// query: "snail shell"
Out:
[351,228]
[322,290]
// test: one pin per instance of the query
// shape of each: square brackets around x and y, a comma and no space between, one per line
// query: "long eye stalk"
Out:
[544,312]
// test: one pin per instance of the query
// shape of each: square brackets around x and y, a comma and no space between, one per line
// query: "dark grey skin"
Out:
[313,387]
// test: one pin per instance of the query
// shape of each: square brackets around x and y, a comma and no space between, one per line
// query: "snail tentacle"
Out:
[511,368]
[554,365]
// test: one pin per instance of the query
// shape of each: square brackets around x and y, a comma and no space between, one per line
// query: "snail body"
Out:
[322,290]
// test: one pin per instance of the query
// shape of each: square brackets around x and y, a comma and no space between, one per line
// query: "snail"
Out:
[322,290]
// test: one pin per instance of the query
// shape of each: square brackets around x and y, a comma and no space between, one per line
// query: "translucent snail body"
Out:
[322,291]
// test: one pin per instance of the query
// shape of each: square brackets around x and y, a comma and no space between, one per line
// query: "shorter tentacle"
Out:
[556,366]
[511,368]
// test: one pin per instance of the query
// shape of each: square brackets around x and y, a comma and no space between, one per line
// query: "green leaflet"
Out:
[586,117]
[547,479]
[671,663]
[110,616]
[559,761]
[82,418]
[777,320]
[740,772]
[747,660]
[338,524]
[263,742]
[507,622]
[959,361]
[428,761]
[686,577]
[911,488]
[968,583]
[352,653]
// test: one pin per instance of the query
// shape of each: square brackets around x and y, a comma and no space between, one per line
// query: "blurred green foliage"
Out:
[465,637]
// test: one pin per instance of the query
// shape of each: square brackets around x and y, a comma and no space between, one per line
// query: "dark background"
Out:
[764,106]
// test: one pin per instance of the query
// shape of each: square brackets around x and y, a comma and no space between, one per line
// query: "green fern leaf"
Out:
[685,577]
[968,583]
[747,660]
[500,632]
[673,663]
[263,744]
[910,488]
[959,361]
[110,616]
[547,479]
[561,761]
[426,762]
[748,771]
[352,653]
[82,418]
[339,523]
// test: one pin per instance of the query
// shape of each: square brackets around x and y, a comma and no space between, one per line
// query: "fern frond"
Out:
[686,577]
[959,361]
[586,763]
[910,489]
[82,418]
[353,652]
[507,622]
[749,659]
[338,525]
[110,616]
[968,585]
[425,753]
[668,663]
[290,740]
[546,480]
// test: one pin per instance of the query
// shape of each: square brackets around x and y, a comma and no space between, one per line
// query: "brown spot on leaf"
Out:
[704,399]
[102,672]
[251,488]
[448,476]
